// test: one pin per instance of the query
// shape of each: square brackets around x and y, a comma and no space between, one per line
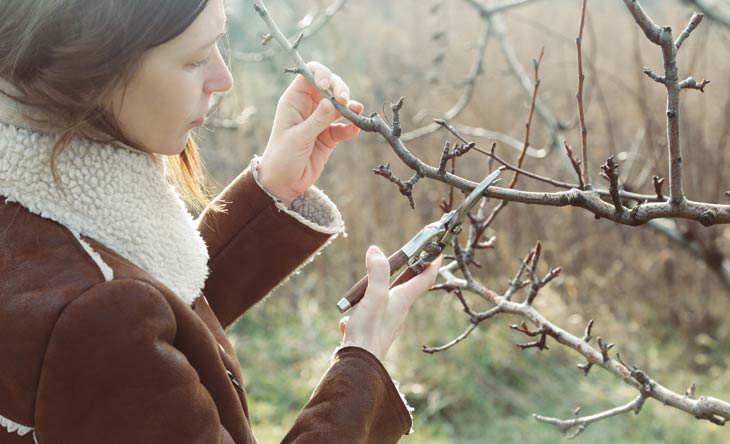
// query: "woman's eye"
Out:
[200,63]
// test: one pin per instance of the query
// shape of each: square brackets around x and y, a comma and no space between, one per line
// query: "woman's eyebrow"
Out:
[212,42]
[225,26]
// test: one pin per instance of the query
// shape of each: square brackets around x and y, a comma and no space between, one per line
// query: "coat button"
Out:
[235,383]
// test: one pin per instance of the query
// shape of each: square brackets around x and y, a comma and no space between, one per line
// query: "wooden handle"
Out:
[356,293]
[406,276]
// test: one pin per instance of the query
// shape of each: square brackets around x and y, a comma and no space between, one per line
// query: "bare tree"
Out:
[615,203]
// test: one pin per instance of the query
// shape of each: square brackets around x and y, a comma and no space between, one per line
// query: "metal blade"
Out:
[473,197]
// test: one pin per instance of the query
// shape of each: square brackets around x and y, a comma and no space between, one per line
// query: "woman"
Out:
[113,300]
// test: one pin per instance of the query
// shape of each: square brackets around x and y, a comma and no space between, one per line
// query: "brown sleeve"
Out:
[112,374]
[356,402]
[259,242]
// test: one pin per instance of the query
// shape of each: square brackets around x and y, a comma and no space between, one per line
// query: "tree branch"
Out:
[707,408]
[713,10]
[574,427]
[579,98]
[662,36]
[310,29]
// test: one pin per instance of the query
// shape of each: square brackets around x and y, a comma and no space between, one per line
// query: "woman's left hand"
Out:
[304,134]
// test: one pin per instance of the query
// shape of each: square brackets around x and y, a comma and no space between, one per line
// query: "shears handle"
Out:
[396,260]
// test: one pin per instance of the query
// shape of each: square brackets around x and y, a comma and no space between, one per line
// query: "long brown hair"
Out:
[64,56]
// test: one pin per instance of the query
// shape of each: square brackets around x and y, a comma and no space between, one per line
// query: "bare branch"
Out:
[662,36]
[658,182]
[691,83]
[694,22]
[555,127]
[714,10]
[708,408]
[395,108]
[309,30]
[574,427]
[655,33]
[576,165]
[540,344]
[532,175]
[483,133]
[604,347]
[461,337]
[610,170]
[654,76]
[579,98]
[405,188]
[711,409]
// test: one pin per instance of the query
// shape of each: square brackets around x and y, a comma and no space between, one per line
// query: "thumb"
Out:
[376,293]
[319,120]
[411,290]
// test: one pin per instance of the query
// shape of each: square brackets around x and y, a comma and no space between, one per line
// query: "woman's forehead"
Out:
[206,27]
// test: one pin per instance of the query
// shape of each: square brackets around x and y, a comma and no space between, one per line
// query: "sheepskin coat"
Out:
[114,303]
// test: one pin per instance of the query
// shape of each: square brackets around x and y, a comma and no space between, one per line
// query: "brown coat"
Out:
[84,359]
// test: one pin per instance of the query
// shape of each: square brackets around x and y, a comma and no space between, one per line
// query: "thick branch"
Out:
[662,36]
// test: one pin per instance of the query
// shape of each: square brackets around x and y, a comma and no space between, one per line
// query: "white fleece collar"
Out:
[114,195]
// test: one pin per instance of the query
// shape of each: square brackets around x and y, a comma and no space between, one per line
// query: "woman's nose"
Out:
[220,79]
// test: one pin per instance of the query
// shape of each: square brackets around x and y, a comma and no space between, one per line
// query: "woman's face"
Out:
[171,92]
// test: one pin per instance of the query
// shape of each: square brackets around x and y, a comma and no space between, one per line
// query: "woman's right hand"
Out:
[377,319]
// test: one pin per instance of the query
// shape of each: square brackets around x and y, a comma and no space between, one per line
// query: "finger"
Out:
[339,132]
[343,325]
[300,84]
[376,294]
[324,114]
[407,293]
[322,74]
[340,89]
[356,106]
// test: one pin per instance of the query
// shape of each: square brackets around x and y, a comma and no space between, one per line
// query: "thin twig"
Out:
[579,98]
[311,29]
[574,427]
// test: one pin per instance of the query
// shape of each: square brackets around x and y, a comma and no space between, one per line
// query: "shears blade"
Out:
[465,207]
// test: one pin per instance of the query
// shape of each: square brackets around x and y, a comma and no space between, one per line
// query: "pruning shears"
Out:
[425,246]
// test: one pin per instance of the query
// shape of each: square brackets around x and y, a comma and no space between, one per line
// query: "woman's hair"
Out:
[67,56]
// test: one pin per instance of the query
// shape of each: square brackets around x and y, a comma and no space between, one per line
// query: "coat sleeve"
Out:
[355,402]
[259,241]
[112,374]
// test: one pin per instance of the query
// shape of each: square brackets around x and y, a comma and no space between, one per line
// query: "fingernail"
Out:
[373,249]
[324,83]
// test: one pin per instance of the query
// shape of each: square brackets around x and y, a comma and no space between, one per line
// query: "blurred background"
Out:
[658,292]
